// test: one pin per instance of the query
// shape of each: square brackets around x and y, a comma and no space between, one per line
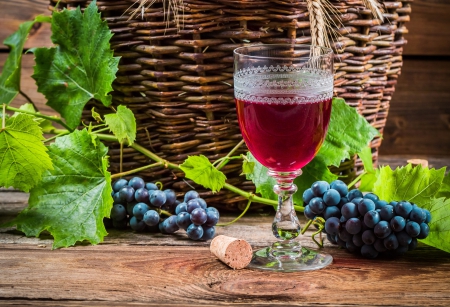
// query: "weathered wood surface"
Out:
[170,270]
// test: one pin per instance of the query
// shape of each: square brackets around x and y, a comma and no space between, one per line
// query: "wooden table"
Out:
[157,270]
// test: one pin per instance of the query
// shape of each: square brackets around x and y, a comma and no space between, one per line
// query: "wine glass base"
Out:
[306,260]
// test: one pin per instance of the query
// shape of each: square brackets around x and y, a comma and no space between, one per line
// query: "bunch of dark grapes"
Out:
[364,223]
[138,204]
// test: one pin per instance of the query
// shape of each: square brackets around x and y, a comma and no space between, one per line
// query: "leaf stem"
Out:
[29,100]
[224,162]
[56,136]
[241,215]
[51,118]
[355,181]
[4,117]
[118,175]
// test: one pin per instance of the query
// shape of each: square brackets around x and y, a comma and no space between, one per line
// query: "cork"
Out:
[236,253]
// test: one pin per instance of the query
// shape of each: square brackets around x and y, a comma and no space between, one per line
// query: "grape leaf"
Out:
[371,176]
[71,201]
[262,181]
[96,115]
[439,235]
[444,191]
[414,184]
[81,66]
[201,171]
[23,156]
[348,133]
[122,124]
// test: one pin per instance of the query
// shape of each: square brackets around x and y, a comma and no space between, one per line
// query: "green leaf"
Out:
[371,176]
[247,167]
[440,224]
[444,191]
[23,156]
[25,107]
[262,181]
[96,115]
[81,66]
[122,124]
[71,201]
[366,157]
[348,133]
[414,184]
[201,171]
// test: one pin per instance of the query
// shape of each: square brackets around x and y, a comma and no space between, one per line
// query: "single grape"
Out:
[331,197]
[198,216]
[413,244]
[349,210]
[417,215]
[380,204]
[331,238]
[162,228]
[390,242]
[353,194]
[170,224]
[353,225]
[184,220]
[393,203]
[202,203]
[357,239]
[308,213]
[368,237]
[307,196]
[356,200]
[317,205]
[379,245]
[120,224]
[319,188]
[403,238]
[157,198]
[193,204]
[339,186]
[371,218]
[194,232]
[118,198]
[373,197]
[151,218]
[342,202]
[137,225]
[171,197]
[118,184]
[190,195]
[212,209]
[387,213]
[139,210]
[208,232]
[150,186]
[403,208]
[424,231]
[118,212]
[182,207]
[365,205]
[382,229]
[127,194]
[428,216]
[332,225]
[141,195]
[331,211]
[212,217]
[368,251]
[412,228]
[397,223]
[344,235]
[352,248]
[130,207]
[136,183]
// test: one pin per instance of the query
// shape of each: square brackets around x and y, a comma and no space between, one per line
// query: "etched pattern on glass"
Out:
[282,84]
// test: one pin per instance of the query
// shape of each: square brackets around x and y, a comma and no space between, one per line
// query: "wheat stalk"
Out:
[169,7]
[375,7]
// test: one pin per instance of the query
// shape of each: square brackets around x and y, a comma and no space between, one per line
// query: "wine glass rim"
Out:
[326,51]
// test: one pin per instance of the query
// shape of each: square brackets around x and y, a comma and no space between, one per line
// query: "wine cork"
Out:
[415,162]
[236,253]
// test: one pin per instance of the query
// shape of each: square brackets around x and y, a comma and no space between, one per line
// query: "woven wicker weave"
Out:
[179,82]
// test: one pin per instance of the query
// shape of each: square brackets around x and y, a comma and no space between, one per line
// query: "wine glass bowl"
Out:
[283,99]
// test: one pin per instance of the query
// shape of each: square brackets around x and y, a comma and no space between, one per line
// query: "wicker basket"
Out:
[179,82]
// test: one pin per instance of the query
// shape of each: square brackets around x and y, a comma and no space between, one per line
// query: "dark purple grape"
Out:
[397,223]
[368,237]
[382,229]
[212,218]
[373,197]
[393,203]
[339,186]
[307,196]
[380,204]
[340,242]
[208,232]
[183,220]
[365,205]
[182,207]
[212,209]
[137,225]
[387,213]
[332,211]
[400,250]
[403,238]
[331,238]
[424,231]
[319,188]
[349,210]
[157,198]
[136,183]
[413,244]
[171,197]
[354,194]
[308,213]
[170,224]
[317,205]
[190,195]
[127,194]
[151,218]
[357,239]
[417,215]
[428,216]
[118,212]
[194,232]
[390,242]
[403,208]
[368,251]
[331,197]
[150,186]
[139,210]
[356,200]
[117,198]
[343,219]
[332,225]
[193,204]
[353,225]
[371,218]
[412,229]
[379,245]
[342,202]
[118,184]
[352,248]
[198,216]
[344,235]
[202,203]
[141,195]
[130,207]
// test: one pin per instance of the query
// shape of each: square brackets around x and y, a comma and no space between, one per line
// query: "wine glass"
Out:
[283,98]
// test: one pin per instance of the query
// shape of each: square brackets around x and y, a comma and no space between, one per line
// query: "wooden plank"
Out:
[429,29]
[419,115]
[13,13]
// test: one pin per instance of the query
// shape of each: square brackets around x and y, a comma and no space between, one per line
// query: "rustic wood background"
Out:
[419,118]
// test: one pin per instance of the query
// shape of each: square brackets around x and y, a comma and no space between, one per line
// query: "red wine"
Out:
[284,137]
